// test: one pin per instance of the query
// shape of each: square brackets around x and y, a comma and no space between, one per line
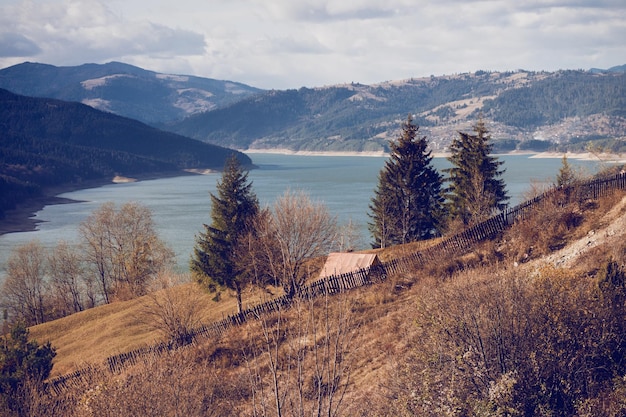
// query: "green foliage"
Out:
[331,118]
[566,176]
[475,190]
[569,94]
[408,202]
[46,142]
[21,362]
[215,262]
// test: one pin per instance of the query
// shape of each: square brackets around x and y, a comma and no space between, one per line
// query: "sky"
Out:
[282,44]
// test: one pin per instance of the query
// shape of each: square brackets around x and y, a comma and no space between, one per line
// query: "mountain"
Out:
[618,68]
[48,142]
[124,89]
[523,110]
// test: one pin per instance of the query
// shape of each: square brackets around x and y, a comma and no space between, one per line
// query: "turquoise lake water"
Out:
[180,205]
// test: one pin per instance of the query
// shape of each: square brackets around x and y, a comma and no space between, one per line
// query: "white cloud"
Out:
[288,44]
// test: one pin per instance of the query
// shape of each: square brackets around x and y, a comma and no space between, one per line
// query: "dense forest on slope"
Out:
[524,110]
[124,89]
[359,117]
[45,142]
[570,94]
[331,118]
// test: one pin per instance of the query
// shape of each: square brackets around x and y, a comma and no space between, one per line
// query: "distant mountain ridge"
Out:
[124,89]
[524,110]
[48,142]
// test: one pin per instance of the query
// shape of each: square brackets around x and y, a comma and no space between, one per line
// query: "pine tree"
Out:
[22,361]
[475,188]
[214,261]
[566,176]
[408,203]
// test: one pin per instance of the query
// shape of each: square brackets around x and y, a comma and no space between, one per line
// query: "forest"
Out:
[357,117]
[45,143]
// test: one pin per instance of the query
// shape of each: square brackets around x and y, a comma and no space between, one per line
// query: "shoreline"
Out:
[583,156]
[22,218]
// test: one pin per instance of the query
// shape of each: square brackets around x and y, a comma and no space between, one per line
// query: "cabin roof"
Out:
[338,263]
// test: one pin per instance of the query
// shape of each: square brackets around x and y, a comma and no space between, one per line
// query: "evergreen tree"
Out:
[214,261]
[21,362]
[475,188]
[566,176]
[408,204]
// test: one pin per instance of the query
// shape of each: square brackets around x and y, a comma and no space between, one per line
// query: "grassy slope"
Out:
[91,336]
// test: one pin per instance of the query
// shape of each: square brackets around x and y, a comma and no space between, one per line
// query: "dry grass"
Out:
[91,336]
[412,344]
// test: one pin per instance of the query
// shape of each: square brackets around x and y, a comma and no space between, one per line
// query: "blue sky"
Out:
[293,43]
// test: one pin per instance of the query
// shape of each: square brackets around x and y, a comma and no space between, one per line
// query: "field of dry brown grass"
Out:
[91,336]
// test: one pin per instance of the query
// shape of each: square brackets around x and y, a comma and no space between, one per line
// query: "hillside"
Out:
[524,110]
[539,111]
[124,89]
[48,143]
[502,330]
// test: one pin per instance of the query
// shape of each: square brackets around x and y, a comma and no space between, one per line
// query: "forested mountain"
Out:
[47,142]
[523,109]
[124,89]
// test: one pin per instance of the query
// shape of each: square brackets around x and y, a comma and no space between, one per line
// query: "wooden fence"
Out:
[454,245]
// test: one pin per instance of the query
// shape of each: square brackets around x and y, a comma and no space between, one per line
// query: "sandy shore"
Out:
[584,156]
[311,153]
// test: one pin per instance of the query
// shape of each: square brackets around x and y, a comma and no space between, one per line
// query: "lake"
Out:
[180,205]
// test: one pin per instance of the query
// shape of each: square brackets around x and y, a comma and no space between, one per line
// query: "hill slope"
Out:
[524,110]
[46,142]
[519,106]
[124,89]
[486,337]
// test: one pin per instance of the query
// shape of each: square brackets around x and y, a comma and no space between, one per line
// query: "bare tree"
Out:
[24,292]
[95,233]
[67,279]
[301,364]
[123,249]
[296,230]
[173,308]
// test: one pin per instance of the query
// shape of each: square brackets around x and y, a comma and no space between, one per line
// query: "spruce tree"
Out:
[566,176]
[408,203]
[214,262]
[475,188]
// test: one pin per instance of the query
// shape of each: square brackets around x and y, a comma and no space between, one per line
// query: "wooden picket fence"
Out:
[454,245]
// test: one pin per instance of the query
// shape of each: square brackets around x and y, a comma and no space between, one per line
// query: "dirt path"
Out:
[611,232]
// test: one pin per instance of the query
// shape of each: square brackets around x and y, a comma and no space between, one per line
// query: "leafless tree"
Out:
[67,279]
[297,229]
[123,249]
[302,363]
[173,308]
[24,292]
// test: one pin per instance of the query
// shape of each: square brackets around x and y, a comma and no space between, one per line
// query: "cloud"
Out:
[87,30]
[16,45]
[287,43]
